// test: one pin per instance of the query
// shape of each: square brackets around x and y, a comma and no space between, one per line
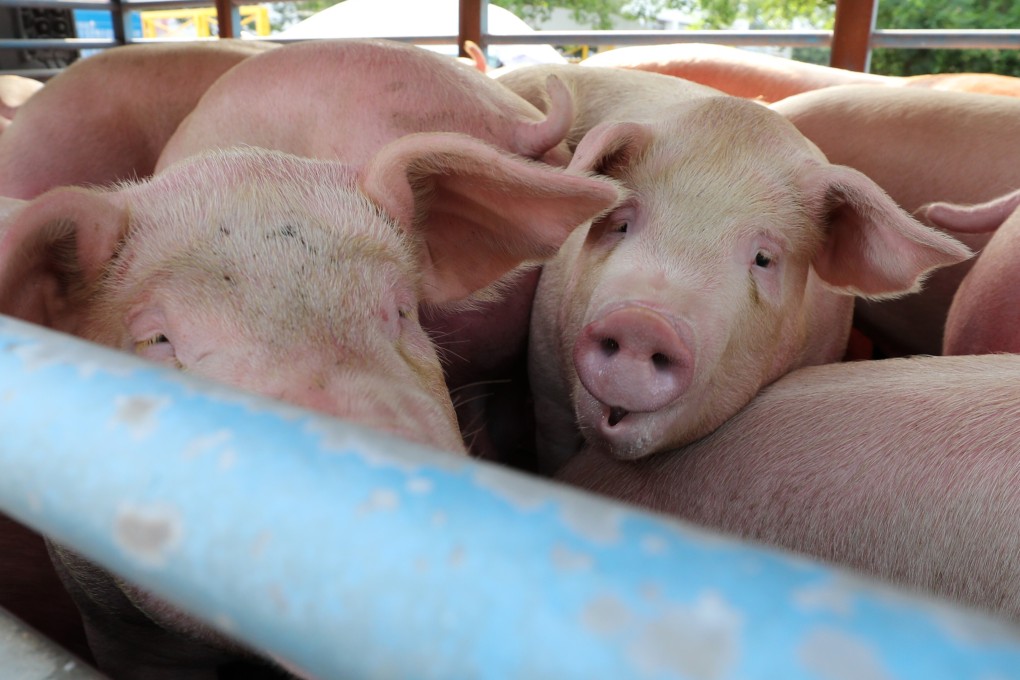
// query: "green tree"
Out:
[946,14]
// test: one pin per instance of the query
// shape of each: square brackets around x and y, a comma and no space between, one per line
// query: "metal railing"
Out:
[351,554]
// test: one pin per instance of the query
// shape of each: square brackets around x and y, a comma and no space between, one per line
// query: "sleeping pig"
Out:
[296,278]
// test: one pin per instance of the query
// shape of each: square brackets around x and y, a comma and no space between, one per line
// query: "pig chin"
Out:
[628,435]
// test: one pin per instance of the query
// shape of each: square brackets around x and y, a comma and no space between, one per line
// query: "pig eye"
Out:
[404,313]
[621,228]
[157,348]
[762,259]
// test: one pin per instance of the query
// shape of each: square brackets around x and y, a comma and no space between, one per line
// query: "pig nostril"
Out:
[609,346]
[616,414]
[661,361]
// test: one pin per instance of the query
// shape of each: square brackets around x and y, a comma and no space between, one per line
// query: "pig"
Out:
[983,317]
[920,146]
[323,90]
[105,118]
[769,78]
[738,72]
[904,469]
[735,259]
[296,278]
[14,92]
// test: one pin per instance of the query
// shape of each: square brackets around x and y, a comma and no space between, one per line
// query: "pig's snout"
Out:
[633,359]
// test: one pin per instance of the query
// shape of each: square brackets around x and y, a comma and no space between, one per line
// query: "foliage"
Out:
[946,14]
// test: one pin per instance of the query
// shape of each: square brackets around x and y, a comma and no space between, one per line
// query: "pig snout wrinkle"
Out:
[633,359]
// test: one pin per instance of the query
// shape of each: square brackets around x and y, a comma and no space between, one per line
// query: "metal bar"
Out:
[779,38]
[227,19]
[979,39]
[56,43]
[473,24]
[27,655]
[119,19]
[58,4]
[351,554]
[851,35]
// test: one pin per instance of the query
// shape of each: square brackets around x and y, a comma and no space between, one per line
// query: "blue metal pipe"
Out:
[354,555]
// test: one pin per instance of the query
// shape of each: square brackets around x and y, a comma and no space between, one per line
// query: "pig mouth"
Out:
[616,415]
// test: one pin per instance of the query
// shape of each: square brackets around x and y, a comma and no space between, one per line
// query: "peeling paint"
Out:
[419,485]
[972,629]
[700,642]
[653,545]
[206,443]
[380,500]
[824,597]
[565,559]
[87,358]
[149,534]
[138,413]
[351,439]
[831,654]
[606,615]
[520,490]
[596,521]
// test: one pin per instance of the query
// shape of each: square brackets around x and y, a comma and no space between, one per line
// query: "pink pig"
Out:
[106,118]
[984,317]
[905,469]
[769,78]
[344,99]
[295,278]
[735,259]
[14,92]
[920,146]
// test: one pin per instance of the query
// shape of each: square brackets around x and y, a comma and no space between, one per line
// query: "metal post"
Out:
[851,36]
[228,18]
[351,554]
[473,24]
[119,21]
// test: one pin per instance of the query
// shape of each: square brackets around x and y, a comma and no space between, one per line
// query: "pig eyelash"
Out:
[154,340]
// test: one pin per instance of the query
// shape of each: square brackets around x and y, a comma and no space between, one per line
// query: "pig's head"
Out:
[734,260]
[295,278]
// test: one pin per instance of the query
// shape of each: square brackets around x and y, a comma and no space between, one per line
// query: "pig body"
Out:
[14,92]
[983,317]
[324,90]
[905,469]
[106,118]
[294,278]
[769,78]
[738,72]
[920,146]
[734,260]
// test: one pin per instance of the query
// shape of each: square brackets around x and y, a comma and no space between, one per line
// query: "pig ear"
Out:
[53,246]
[971,219]
[479,211]
[610,147]
[872,247]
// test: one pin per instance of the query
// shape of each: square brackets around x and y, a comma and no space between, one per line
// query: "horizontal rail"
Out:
[351,554]
[778,38]
[59,4]
[56,43]
[981,39]
[27,655]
